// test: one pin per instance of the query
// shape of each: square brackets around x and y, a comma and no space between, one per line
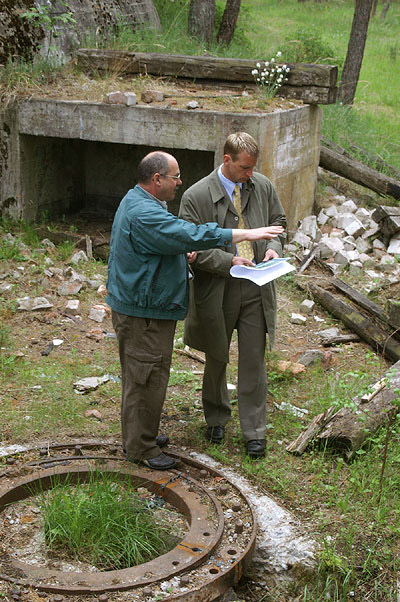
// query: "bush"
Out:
[307,46]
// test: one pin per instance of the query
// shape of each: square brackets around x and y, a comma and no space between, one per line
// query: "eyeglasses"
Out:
[165,175]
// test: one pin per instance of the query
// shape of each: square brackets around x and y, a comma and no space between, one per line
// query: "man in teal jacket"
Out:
[148,291]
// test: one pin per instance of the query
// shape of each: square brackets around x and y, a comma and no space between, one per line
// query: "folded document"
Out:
[263,272]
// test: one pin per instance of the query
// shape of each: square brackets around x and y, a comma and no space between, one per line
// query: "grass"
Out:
[102,522]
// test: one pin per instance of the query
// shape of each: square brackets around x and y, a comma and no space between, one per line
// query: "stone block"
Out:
[115,98]
[366,260]
[307,306]
[344,219]
[350,206]
[308,226]
[393,312]
[331,211]
[349,243]
[355,228]
[353,255]
[298,319]
[322,218]
[394,245]
[130,99]
[371,230]
[339,198]
[329,247]
[342,258]
[72,307]
[356,268]
[363,215]
[149,96]
[378,244]
[362,245]
[302,239]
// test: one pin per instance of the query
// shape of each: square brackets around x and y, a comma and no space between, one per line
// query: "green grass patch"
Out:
[103,522]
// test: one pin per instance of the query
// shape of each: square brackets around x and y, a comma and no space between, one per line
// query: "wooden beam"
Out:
[311,83]
[375,335]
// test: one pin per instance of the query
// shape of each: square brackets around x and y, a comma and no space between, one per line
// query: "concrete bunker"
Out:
[58,156]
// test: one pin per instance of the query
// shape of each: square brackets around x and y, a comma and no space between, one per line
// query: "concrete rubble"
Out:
[347,237]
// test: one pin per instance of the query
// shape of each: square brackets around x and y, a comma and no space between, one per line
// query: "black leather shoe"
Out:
[215,434]
[255,448]
[160,462]
[161,441]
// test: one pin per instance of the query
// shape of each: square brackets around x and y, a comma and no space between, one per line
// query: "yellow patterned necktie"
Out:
[244,248]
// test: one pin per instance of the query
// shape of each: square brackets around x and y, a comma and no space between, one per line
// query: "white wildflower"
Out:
[272,60]
[254,72]
[279,53]
[258,65]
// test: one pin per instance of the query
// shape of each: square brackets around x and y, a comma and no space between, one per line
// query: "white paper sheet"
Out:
[263,272]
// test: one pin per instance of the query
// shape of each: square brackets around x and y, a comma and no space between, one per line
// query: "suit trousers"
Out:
[145,351]
[243,310]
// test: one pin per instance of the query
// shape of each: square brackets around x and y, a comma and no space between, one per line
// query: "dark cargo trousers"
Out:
[145,351]
[243,310]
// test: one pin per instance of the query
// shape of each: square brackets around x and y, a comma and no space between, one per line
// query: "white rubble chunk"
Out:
[33,303]
[331,211]
[394,245]
[115,98]
[5,287]
[336,268]
[342,258]
[78,257]
[355,228]
[298,319]
[72,307]
[353,255]
[309,227]
[322,218]
[307,306]
[328,333]
[363,215]
[362,245]
[48,243]
[329,246]
[97,314]
[350,205]
[371,230]
[373,274]
[366,260]
[388,259]
[344,219]
[130,99]
[289,248]
[302,240]
[337,233]
[48,261]
[356,268]
[378,244]
[349,243]
[192,104]
[84,385]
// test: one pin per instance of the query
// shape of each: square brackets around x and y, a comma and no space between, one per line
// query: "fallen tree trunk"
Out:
[100,247]
[347,429]
[359,173]
[375,335]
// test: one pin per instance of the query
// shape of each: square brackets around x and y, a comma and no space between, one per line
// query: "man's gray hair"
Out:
[240,142]
[155,162]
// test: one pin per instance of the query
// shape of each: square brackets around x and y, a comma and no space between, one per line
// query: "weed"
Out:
[103,522]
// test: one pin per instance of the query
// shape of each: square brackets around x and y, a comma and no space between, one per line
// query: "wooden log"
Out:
[299,445]
[363,301]
[310,83]
[359,173]
[375,335]
[347,429]
[340,339]
[391,171]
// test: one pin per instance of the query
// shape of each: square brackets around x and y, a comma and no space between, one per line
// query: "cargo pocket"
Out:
[145,369]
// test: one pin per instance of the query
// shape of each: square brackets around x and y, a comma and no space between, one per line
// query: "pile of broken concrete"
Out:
[365,242]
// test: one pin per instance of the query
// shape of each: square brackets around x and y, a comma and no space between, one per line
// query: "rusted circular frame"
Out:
[220,579]
[197,545]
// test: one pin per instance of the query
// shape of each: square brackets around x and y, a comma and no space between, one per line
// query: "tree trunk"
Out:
[385,9]
[228,23]
[374,7]
[355,51]
[201,20]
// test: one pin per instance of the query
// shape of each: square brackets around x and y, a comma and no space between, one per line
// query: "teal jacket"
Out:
[147,268]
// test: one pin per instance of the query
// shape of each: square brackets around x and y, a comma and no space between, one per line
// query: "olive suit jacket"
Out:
[207,201]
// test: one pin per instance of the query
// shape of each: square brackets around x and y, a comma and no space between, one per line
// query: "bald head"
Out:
[154,162]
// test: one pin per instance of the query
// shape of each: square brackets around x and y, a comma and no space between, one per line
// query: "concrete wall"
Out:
[64,154]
